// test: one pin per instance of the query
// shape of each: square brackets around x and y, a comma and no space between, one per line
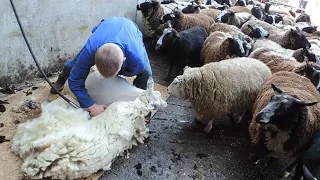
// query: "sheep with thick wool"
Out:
[219,88]
[230,29]
[64,143]
[274,60]
[181,22]
[236,19]
[285,114]
[290,39]
[220,45]
[151,13]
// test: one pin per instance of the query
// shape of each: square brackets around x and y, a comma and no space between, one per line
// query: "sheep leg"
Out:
[209,126]
[168,78]
[290,168]
[198,118]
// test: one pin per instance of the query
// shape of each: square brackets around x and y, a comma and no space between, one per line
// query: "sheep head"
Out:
[310,29]
[273,19]
[257,12]
[191,9]
[176,87]
[313,74]
[282,110]
[236,46]
[310,55]
[241,3]
[168,37]
[258,32]
[147,8]
[296,39]
[168,17]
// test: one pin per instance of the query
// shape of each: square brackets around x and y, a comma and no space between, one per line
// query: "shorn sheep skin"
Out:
[64,143]
[219,88]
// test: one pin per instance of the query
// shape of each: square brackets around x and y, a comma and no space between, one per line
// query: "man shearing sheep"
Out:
[116,48]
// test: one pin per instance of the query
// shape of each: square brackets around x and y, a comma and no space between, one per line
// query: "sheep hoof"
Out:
[198,119]
[257,162]
[286,174]
[208,127]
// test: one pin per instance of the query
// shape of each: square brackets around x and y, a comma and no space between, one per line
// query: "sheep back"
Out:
[216,47]
[186,21]
[190,44]
[231,29]
[255,22]
[213,13]
[297,86]
[238,9]
[231,85]
[274,60]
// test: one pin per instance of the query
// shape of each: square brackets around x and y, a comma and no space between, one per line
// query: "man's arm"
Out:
[78,77]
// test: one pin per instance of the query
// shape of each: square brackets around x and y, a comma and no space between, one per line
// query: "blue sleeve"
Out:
[137,57]
[78,76]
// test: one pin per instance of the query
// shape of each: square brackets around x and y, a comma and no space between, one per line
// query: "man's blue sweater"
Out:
[118,30]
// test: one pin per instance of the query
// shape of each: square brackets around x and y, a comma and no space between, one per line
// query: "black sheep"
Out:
[184,47]
[308,165]
[258,12]
[273,19]
[241,3]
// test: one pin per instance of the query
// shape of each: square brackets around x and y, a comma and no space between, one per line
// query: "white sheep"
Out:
[64,143]
[219,88]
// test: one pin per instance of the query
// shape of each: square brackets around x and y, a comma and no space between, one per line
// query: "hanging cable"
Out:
[35,60]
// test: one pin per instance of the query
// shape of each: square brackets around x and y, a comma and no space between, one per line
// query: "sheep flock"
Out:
[231,59]
[257,58]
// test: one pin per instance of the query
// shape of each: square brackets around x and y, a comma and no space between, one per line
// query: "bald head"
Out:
[109,58]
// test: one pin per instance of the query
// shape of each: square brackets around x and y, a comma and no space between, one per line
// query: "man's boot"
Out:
[61,80]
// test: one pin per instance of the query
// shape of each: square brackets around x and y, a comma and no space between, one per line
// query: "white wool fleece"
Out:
[63,143]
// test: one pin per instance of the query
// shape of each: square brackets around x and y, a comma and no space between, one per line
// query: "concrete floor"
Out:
[179,149]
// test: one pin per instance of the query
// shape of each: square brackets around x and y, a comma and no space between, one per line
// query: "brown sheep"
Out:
[276,10]
[219,46]
[231,29]
[213,13]
[290,39]
[285,114]
[304,54]
[180,21]
[151,13]
[238,9]
[274,60]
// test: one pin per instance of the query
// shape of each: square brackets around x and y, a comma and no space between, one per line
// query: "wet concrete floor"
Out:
[179,149]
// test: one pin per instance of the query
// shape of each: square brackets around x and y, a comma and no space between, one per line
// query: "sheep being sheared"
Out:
[64,143]
[213,95]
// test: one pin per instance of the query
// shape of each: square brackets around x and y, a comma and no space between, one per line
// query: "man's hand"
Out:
[96,109]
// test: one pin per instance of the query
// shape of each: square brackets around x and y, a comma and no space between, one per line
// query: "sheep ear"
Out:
[307,174]
[250,27]
[276,89]
[172,15]
[230,39]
